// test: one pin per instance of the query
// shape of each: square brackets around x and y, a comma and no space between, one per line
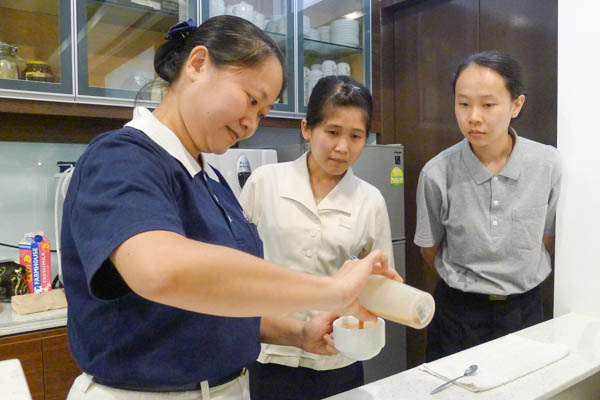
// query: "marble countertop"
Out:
[12,323]
[579,332]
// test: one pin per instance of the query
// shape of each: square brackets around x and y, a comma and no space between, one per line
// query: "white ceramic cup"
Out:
[243,10]
[217,7]
[259,20]
[306,91]
[329,67]
[315,66]
[343,68]
[313,77]
[325,33]
[358,344]
[305,22]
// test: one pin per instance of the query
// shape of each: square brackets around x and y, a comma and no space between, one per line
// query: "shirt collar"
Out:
[146,122]
[480,173]
[296,186]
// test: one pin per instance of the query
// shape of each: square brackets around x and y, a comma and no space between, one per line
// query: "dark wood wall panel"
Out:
[430,39]
[528,31]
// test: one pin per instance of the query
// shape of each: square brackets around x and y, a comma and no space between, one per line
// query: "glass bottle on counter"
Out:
[8,61]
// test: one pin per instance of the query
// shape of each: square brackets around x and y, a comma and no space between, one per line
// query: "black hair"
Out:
[508,68]
[338,91]
[230,40]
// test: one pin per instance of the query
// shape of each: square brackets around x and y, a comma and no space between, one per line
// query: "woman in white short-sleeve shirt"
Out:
[312,214]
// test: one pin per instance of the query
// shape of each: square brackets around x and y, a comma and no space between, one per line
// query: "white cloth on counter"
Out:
[499,362]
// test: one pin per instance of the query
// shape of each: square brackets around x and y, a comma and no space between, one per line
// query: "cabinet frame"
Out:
[74,86]
[61,91]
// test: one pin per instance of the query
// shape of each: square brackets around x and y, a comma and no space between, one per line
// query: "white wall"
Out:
[577,284]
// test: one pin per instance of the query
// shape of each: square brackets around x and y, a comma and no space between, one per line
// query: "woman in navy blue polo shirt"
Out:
[163,273]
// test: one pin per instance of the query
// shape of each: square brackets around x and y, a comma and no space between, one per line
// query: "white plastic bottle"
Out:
[398,302]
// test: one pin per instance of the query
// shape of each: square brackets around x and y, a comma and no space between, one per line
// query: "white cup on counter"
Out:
[343,68]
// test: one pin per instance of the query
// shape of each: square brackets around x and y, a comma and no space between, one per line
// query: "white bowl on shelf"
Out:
[345,32]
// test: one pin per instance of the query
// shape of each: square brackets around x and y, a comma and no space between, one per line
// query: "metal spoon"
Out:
[469,371]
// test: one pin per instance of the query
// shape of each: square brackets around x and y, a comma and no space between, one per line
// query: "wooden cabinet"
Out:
[101,52]
[47,362]
[29,352]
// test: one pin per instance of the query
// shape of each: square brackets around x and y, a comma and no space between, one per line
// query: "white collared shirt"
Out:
[351,220]
[146,122]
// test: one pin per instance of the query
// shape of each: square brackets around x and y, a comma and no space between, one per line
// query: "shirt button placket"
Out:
[494,212]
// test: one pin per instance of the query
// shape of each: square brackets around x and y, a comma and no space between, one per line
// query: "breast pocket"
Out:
[528,227]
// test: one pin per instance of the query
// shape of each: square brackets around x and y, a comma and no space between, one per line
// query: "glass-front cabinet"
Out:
[334,39]
[35,47]
[116,42]
[102,51]
[275,17]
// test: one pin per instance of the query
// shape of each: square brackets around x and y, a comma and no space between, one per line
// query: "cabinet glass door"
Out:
[116,42]
[334,39]
[276,19]
[35,46]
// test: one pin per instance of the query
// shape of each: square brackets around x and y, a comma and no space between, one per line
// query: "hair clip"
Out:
[181,30]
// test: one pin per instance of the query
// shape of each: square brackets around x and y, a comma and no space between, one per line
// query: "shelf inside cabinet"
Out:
[131,15]
[326,49]
[153,6]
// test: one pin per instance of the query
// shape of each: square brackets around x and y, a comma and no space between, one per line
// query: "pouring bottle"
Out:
[397,302]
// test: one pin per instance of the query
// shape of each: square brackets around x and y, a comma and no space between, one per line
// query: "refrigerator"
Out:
[383,167]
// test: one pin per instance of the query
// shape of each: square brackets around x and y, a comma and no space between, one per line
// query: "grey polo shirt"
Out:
[490,226]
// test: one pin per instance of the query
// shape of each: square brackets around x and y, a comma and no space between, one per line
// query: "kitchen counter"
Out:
[579,332]
[12,323]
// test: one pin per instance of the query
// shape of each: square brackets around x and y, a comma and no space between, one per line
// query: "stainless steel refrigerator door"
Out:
[375,165]
[392,358]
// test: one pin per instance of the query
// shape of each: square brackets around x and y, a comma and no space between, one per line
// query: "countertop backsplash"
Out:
[28,180]
[29,176]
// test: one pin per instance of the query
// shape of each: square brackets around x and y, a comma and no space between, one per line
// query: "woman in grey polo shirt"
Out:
[485,212]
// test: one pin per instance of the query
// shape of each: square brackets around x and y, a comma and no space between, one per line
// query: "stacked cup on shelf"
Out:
[324,33]
[241,9]
[317,71]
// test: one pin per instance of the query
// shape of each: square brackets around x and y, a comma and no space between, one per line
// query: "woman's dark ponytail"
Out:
[231,41]
[165,60]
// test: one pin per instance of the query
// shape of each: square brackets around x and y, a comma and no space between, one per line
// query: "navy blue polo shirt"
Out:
[126,183]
